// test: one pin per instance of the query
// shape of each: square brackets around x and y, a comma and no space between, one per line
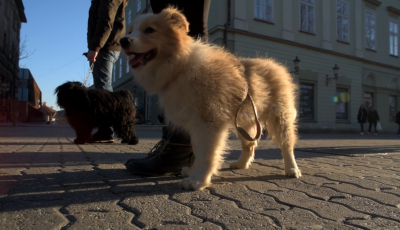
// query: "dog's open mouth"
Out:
[140,59]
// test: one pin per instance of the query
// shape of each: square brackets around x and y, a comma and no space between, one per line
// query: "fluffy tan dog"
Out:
[201,87]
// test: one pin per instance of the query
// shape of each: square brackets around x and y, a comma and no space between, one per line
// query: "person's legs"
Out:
[174,151]
[376,131]
[398,132]
[362,127]
[102,75]
[370,126]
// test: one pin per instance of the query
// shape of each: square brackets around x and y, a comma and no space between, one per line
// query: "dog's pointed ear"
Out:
[175,18]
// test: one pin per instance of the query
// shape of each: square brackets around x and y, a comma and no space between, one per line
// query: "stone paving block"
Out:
[82,177]
[383,198]
[359,181]
[203,225]
[371,207]
[228,215]
[249,200]
[102,220]
[35,215]
[322,209]
[375,223]
[311,190]
[297,218]
[32,189]
[192,196]
[87,199]
[154,210]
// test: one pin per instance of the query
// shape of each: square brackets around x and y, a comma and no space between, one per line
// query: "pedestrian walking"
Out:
[373,118]
[362,117]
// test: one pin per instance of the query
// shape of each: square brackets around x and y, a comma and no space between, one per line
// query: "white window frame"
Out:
[314,105]
[370,27]
[139,5]
[260,12]
[120,68]
[348,22]
[394,48]
[307,4]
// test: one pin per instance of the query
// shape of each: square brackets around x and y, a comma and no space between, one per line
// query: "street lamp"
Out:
[296,66]
[335,75]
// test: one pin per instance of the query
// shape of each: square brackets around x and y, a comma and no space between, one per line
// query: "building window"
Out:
[368,100]
[114,73]
[392,108]
[129,16]
[393,38]
[342,99]
[370,30]
[120,68]
[306,102]
[264,10]
[307,20]
[139,5]
[342,20]
[127,66]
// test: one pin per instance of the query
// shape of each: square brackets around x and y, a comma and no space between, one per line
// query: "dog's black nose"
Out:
[125,42]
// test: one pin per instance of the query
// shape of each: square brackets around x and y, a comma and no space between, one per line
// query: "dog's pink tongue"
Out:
[136,59]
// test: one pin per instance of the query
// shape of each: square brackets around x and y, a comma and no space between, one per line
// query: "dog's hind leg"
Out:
[281,128]
[248,147]
[208,150]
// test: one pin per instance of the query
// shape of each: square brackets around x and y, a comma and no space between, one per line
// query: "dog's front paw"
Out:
[192,184]
[133,141]
[239,165]
[293,172]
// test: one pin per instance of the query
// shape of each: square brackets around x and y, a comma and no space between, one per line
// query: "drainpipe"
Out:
[227,24]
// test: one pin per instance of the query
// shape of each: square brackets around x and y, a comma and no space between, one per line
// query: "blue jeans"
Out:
[102,75]
[362,127]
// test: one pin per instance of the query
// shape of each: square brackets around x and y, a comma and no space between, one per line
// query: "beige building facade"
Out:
[360,37]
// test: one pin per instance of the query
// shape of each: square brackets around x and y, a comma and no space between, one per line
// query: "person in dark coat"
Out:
[398,122]
[373,118]
[362,117]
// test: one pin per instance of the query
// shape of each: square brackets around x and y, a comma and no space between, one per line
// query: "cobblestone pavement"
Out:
[47,182]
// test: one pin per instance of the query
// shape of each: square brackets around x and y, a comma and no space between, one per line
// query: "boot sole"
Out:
[147,174]
[102,141]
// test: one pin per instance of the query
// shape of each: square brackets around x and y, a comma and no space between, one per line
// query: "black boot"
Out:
[167,157]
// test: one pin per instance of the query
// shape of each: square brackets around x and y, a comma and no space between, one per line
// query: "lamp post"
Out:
[335,75]
[296,66]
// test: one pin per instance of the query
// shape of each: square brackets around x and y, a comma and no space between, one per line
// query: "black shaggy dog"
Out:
[89,108]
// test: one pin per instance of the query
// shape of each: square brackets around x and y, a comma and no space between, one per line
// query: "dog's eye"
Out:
[149,30]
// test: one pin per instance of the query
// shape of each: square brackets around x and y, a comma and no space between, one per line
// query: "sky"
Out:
[56,32]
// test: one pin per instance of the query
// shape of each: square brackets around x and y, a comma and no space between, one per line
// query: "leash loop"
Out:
[243,132]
